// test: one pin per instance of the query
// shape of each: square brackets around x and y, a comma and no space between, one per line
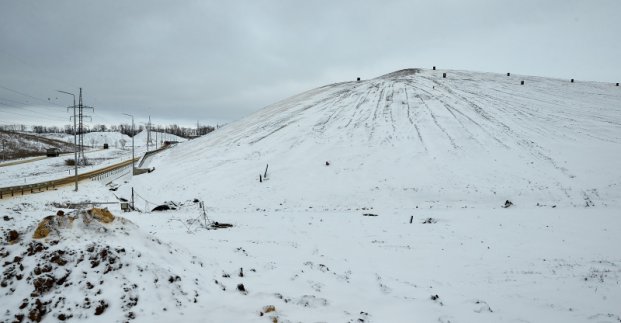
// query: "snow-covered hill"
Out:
[411,138]
[19,145]
[113,139]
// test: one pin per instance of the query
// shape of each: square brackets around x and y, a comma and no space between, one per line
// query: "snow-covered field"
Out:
[382,204]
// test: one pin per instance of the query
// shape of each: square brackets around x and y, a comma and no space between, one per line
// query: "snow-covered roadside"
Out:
[55,168]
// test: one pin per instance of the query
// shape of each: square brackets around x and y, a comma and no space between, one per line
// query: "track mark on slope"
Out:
[375,113]
[321,126]
[407,101]
[433,117]
[360,102]
[531,146]
[454,110]
[388,115]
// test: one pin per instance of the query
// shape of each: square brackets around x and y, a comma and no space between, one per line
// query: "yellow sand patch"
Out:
[44,227]
[101,215]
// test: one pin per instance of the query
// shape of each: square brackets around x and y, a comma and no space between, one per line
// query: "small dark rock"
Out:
[12,236]
[507,204]
[241,288]
[369,214]
[101,307]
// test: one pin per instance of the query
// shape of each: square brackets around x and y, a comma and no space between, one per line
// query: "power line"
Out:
[58,118]
[34,69]
[28,95]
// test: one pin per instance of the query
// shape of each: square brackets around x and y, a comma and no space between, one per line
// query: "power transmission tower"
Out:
[81,116]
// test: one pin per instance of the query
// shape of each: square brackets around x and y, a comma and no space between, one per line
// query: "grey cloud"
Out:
[224,60]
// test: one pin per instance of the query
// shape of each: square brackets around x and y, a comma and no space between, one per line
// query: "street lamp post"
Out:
[75,142]
[133,135]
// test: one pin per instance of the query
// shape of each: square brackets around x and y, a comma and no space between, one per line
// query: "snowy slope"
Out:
[408,139]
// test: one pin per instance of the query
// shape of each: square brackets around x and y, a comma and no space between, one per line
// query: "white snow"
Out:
[335,243]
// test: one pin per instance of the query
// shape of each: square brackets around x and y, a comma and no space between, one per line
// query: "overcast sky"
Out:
[183,61]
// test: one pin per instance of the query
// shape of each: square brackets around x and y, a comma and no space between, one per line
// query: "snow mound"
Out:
[409,139]
[96,268]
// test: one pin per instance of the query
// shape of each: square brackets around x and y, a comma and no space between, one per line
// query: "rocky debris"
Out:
[56,223]
[68,277]
[12,236]
[430,221]
[52,223]
[369,214]
[507,204]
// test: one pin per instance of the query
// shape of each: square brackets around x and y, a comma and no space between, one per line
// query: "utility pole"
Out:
[148,133]
[133,135]
[3,152]
[75,145]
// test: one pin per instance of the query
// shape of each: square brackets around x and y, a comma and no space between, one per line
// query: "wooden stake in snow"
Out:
[411,219]
[265,174]
[443,75]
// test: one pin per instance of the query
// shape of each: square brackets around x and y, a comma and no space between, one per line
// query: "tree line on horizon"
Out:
[173,129]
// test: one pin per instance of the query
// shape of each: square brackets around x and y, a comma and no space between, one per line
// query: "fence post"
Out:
[443,75]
